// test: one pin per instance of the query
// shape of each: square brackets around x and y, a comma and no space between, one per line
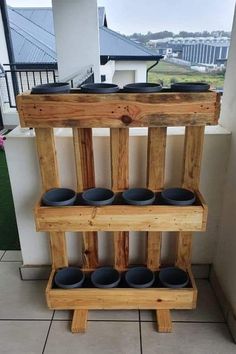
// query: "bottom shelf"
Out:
[121,298]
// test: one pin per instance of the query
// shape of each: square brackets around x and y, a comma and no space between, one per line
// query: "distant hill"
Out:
[144,38]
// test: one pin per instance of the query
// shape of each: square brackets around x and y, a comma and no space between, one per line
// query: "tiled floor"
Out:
[28,327]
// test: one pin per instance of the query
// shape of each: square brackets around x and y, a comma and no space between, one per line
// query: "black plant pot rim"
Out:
[100,88]
[100,280]
[165,275]
[142,87]
[92,196]
[185,196]
[130,277]
[53,87]
[50,199]
[65,271]
[143,196]
[190,87]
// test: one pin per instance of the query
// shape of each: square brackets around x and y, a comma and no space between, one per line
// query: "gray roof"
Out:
[33,38]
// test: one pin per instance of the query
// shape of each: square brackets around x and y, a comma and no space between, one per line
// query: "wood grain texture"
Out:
[118,110]
[193,147]
[85,175]
[50,179]
[121,218]
[119,142]
[84,159]
[164,323]
[156,152]
[47,158]
[79,321]
[120,298]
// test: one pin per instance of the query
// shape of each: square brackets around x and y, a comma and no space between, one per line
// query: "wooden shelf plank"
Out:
[121,298]
[122,218]
[119,110]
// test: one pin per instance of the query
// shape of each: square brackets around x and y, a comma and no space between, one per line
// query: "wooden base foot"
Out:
[79,321]
[164,323]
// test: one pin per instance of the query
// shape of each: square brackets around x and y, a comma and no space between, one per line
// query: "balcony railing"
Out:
[15,79]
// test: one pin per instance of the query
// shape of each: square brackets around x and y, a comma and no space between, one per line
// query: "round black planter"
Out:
[138,196]
[105,277]
[190,87]
[178,196]
[98,196]
[55,87]
[99,88]
[59,197]
[139,277]
[142,87]
[70,277]
[173,277]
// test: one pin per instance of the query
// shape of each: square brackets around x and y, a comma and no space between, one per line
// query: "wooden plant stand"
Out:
[119,112]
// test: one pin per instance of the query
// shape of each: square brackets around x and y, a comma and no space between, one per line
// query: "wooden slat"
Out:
[118,110]
[155,180]
[84,161]
[79,321]
[120,298]
[193,147]
[50,179]
[121,218]
[119,181]
[164,323]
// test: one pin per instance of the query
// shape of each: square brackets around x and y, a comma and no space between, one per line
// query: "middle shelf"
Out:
[121,217]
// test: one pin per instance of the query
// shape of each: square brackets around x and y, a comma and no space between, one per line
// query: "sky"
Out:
[129,16]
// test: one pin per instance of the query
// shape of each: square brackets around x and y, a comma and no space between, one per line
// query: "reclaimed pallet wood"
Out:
[50,179]
[121,298]
[119,141]
[122,218]
[118,110]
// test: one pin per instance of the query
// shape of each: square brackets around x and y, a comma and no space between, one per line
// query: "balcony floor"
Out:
[28,327]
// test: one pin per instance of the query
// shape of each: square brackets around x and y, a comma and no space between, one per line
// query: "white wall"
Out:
[123,77]
[76,33]
[225,257]
[4,59]
[124,72]
[25,181]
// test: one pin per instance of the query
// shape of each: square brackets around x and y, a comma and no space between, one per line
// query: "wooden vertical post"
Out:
[84,162]
[120,180]
[193,147]
[155,180]
[50,179]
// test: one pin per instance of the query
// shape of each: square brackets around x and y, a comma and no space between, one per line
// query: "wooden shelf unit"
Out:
[119,112]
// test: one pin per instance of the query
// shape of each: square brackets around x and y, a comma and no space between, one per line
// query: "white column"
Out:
[77,36]
[225,258]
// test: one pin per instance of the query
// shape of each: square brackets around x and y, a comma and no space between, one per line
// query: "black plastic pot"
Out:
[138,196]
[69,277]
[139,277]
[142,87]
[59,197]
[190,87]
[99,88]
[105,277]
[173,277]
[55,87]
[98,196]
[178,196]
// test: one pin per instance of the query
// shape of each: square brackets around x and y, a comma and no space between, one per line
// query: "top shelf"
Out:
[118,110]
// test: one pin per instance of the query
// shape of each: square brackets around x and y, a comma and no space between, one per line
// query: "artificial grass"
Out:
[9,238]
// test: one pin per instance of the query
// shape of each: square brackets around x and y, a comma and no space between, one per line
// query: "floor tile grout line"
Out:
[2,256]
[128,321]
[175,321]
[49,328]
[26,319]
[140,332]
